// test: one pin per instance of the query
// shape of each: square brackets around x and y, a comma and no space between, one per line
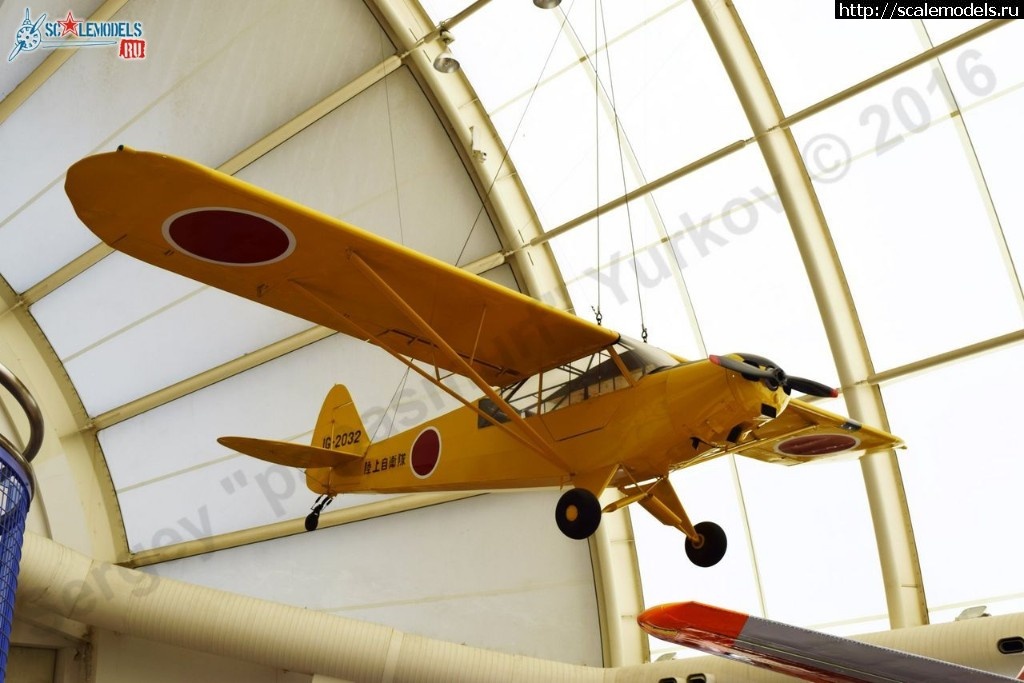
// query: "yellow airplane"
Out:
[565,402]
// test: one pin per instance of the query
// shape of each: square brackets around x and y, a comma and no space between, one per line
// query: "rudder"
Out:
[339,426]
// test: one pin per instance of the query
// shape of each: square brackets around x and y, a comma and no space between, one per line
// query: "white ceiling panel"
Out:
[39,239]
[809,54]
[669,112]
[117,293]
[195,334]
[328,168]
[382,570]
[959,484]
[226,496]
[748,285]
[195,93]
[814,541]
[279,399]
[910,219]
[18,65]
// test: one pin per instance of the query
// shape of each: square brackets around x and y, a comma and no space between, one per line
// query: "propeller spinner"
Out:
[757,368]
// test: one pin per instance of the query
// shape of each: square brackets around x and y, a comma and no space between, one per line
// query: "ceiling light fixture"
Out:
[446,62]
[547,4]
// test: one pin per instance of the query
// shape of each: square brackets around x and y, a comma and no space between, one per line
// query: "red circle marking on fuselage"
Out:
[228,236]
[426,452]
[817,444]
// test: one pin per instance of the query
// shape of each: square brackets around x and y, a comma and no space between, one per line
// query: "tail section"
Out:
[339,427]
[338,438]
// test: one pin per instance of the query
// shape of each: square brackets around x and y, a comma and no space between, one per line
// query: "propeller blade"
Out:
[810,387]
[745,369]
[769,371]
[759,360]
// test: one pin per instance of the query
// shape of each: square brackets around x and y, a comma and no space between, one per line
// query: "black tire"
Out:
[312,521]
[578,513]
[712,550]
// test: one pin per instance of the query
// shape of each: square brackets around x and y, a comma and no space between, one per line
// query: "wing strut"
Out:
[408,363]
[541,445]
[525,434]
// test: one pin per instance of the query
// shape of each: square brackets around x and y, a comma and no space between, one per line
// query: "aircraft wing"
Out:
[213,228]
[805,654]
[804,432]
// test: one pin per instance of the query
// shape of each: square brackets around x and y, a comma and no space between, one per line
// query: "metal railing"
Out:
[17,487]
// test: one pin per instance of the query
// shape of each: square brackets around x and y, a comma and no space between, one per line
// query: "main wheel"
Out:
[711,550]
[312,521]
[578,513]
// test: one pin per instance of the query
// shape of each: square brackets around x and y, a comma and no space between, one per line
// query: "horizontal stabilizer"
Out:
[287,453]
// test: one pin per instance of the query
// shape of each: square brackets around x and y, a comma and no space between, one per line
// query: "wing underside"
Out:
[208,226]
[804,433]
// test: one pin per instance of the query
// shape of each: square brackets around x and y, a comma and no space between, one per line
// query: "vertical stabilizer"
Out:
[339,426]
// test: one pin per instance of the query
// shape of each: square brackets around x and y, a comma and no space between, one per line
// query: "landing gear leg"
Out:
[313,518]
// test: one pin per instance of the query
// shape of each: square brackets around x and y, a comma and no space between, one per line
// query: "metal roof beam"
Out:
[901,571]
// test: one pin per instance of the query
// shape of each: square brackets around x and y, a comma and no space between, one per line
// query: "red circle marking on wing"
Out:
[426,451]
[817,444]
[228,236]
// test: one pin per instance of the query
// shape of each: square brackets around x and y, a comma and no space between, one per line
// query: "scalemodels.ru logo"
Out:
[70,32]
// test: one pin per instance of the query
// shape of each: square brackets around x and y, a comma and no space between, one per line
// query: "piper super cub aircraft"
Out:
[565,402]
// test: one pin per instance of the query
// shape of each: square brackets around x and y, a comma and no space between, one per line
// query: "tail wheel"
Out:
[711,550]
[578,513]
[313,518]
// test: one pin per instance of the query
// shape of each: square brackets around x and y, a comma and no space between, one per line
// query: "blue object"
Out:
[15,496]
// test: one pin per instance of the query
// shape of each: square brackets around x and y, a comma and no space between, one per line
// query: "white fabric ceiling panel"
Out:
[381,162]
[623,284]
[814,542]
[921,250]
[193,334]
[656,112]
[228,495]
[193,96]
[986,78]
[809,54]
[203,332]
[12,14]
[962,477]
[279,399]
[41,238]
[740,262]
[456,571]
[112,296]
[670,112]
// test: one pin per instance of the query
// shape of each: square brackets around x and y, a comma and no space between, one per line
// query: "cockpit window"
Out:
[580,380]
[642,359]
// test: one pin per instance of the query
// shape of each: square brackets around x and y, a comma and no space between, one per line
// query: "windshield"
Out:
[581,380]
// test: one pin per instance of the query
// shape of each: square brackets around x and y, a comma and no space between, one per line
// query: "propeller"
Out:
[756,368]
